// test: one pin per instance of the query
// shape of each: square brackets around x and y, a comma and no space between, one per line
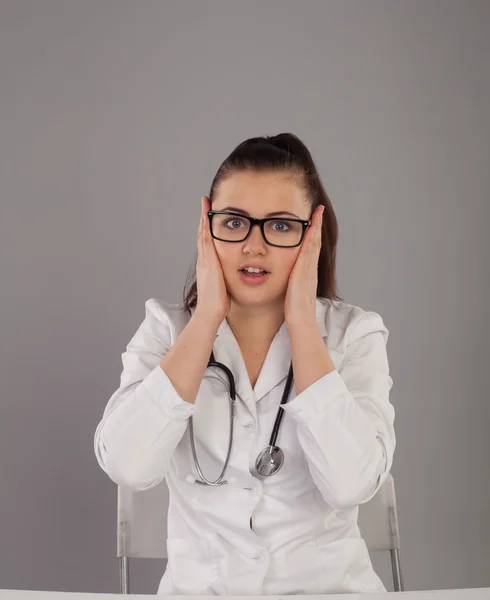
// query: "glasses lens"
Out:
[283,232]
[235,228]
[230,228]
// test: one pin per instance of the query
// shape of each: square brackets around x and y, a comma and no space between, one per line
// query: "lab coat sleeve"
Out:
[345,419]
[145,418]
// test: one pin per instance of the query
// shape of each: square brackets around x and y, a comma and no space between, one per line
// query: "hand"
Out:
[213,298]
[300,301]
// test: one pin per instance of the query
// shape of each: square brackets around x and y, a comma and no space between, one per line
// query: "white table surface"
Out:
[466,594]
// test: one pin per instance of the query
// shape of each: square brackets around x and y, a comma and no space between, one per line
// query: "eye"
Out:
[279,226]
[233,223]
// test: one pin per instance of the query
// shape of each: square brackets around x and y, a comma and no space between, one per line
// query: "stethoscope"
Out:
[271,459]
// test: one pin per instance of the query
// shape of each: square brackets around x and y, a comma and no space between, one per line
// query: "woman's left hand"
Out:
[300,301]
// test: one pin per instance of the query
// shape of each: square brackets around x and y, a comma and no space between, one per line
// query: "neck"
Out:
[255,326]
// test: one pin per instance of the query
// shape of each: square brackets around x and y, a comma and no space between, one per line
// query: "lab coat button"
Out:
[259,558]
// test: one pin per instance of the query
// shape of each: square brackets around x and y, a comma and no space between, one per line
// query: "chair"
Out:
[142,527]
[378,522]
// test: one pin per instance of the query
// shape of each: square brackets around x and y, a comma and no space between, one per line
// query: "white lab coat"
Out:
[337,437]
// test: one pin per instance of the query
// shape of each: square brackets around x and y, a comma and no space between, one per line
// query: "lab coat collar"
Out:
[276,366]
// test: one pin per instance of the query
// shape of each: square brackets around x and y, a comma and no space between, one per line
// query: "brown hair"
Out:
[282,152]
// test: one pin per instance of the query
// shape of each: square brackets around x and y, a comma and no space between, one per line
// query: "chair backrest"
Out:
[378,519]
[142,521]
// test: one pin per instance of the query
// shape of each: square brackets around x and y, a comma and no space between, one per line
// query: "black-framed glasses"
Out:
[276,231]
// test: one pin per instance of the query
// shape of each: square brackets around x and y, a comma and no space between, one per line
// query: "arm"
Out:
[345,423]
[186,362]
[310,356]
[147,415]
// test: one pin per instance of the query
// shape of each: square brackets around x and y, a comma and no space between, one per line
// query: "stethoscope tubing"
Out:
[232,396]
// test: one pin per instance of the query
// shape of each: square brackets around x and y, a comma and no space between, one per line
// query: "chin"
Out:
[252,298]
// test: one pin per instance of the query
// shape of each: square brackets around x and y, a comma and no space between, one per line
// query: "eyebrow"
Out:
[272,214]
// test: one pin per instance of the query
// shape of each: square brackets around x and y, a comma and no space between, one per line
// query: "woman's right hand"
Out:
[213,298]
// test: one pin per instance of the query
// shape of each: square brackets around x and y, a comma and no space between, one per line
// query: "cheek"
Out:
[226,254]
[284,265]
[288,261]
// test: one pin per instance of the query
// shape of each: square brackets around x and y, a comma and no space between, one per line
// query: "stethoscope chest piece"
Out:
[269,461]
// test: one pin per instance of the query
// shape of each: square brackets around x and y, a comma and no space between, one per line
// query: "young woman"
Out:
[311,426]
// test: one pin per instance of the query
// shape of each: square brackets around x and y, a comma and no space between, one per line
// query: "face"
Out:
[258,195]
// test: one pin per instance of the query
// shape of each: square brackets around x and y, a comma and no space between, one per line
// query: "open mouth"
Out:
[254,272]
[253,276]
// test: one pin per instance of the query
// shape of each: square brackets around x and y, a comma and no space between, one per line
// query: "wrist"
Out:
[207,318]
[302,324]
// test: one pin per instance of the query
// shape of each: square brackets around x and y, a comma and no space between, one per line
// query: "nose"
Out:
[255,243]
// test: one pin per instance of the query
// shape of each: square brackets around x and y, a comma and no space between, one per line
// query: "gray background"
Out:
[114,116]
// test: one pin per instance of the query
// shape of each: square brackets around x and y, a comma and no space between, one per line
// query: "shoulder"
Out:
[347,322]
[166,310]
[173,317]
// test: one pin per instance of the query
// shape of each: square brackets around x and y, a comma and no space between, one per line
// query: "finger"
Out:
[318,216]
[318,228]
[205,205]
[199,229]
[200,248]
[200,235]
[312,234]
[208,241]
[204,215]
[205,225]
[202,212]
[208,238]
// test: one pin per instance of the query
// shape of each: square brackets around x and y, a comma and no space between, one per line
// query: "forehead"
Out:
[262,193]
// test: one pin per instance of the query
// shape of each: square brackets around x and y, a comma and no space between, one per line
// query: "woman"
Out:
[263,300]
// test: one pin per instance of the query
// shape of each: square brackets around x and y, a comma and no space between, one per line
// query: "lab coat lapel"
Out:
[275,368]
[227,351]
[276,364]
[278,359]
